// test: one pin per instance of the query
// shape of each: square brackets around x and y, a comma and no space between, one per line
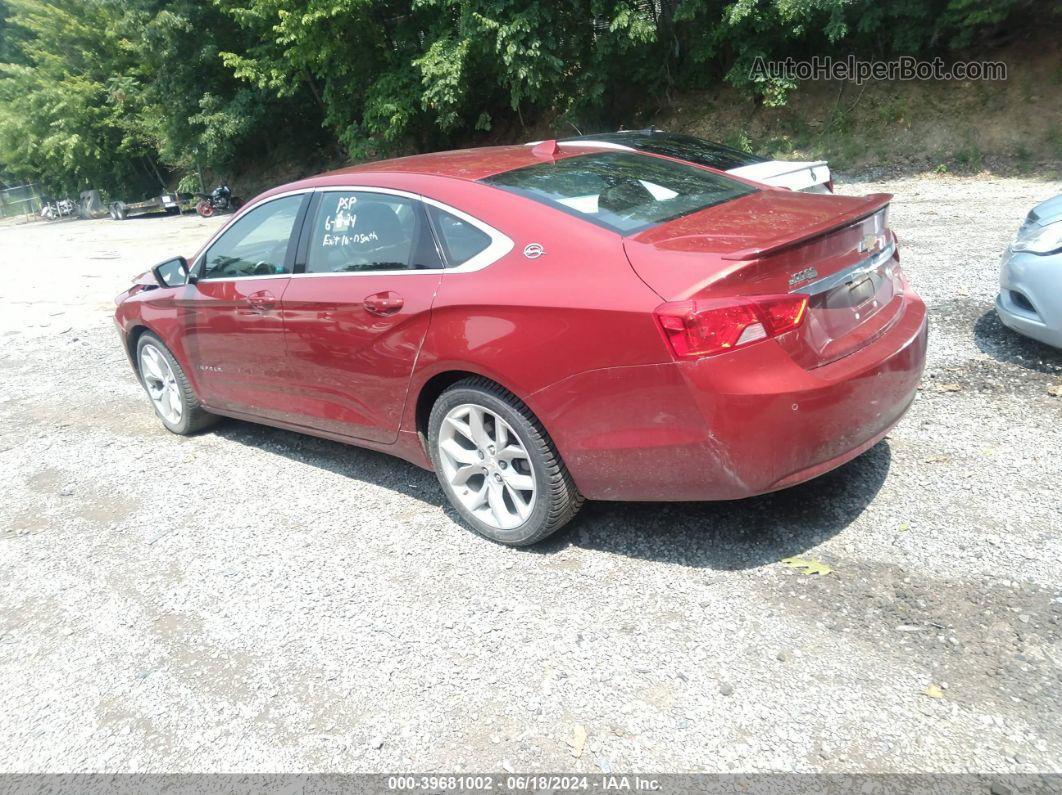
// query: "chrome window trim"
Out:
[861,268]
[500,243]
[224,227]
[244,278]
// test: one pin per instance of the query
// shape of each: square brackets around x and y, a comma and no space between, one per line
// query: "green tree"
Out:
[197,114]
[68,105]
[393,75]
[116,94]
[723,39]
[120,93]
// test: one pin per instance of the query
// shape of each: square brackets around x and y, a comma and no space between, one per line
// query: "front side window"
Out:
[622,191]
[257,244]
[360,231]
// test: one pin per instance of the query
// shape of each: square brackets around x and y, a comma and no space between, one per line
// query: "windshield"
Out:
[622,191]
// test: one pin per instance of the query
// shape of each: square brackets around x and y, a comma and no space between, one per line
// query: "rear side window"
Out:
[622,191]
[361,231]
[460,240]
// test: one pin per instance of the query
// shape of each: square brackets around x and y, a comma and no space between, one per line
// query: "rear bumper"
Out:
[731,426]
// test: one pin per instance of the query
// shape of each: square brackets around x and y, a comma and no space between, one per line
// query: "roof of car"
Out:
[470,164]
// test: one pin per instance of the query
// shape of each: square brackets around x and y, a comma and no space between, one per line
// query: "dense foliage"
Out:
[125,94]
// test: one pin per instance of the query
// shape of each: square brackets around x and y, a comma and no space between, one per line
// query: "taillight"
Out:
[829,185]
[705,328]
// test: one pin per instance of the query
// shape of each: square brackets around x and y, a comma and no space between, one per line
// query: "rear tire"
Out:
[205,209]
[497,465]
[168,388]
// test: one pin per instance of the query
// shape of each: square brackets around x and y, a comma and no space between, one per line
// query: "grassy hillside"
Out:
[1006,127]
[1011,126]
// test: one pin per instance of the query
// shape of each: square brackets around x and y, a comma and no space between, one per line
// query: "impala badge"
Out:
[802,276]
[534,250]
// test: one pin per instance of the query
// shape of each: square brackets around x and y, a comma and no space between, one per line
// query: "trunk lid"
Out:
[836,249]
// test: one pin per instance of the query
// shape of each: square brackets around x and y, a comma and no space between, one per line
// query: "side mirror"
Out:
[172,272]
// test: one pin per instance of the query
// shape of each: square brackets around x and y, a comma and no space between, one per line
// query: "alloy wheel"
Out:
[487,466]
[161,384]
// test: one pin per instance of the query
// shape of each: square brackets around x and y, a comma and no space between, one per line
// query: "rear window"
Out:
[622,191]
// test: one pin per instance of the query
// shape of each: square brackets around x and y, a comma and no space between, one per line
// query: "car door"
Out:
[235,331]
[358,307]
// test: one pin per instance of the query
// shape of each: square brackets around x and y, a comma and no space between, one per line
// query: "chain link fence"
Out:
[20,200]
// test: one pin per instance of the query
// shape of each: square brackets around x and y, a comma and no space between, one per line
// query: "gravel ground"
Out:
[254,600]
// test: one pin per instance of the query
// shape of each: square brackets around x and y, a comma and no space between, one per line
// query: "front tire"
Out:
[168,388]
[497,465]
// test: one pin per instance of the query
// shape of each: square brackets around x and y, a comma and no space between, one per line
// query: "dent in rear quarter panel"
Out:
[630,433]
[733,425]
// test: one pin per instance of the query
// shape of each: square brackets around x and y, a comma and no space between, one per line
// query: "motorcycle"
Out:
[220,201]
[57,209]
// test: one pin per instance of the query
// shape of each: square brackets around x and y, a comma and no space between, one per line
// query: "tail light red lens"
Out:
[704,328]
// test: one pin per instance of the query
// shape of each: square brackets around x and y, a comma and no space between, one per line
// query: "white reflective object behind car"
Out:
[807,176]
[810,177]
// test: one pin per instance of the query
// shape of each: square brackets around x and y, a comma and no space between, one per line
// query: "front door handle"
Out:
[383,304]
[261,302]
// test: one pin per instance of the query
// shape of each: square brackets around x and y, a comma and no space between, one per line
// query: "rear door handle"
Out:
[262,301]
[383,304]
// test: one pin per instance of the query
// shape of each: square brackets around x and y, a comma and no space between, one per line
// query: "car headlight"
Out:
[1039,239]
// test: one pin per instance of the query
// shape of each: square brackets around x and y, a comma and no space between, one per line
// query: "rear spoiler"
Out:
[870,205]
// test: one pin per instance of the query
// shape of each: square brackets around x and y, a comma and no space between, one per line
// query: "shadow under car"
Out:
[734,535]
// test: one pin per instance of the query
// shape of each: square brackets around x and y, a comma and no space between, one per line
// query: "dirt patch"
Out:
[992,640]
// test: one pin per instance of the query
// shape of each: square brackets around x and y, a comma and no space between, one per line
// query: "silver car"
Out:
[1030,282]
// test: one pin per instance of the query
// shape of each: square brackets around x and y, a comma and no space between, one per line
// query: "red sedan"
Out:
[543,325]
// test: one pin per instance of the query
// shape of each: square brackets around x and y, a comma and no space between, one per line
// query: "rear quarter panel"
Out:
[530,322]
